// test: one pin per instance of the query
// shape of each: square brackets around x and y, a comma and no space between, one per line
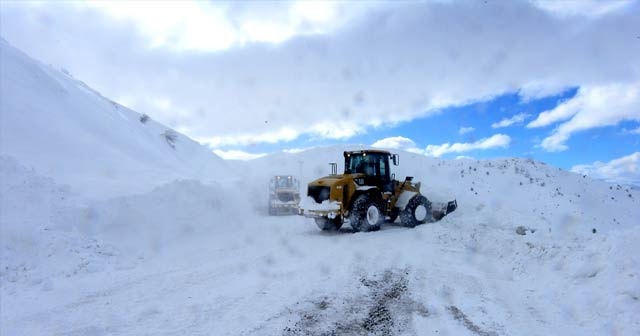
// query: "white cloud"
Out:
[495,141]
[398,142]
[162,104]
[516,119]
[561,112]
[179,25]
[363,72]
[537,89]
[296,150]
[582,7]
[632,131]
[465,130]
[215,26]
[237,154]
[335,129]
[284,134]
[624,170]
[595,106]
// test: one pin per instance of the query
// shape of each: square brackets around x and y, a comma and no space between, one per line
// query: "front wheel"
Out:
[366,214]
[417,211]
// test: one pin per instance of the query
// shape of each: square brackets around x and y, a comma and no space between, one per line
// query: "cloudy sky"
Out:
[557,81]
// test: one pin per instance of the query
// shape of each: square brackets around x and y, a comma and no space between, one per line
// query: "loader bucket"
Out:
[451,206]
[441,210]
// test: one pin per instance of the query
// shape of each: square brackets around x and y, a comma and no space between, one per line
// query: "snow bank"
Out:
[153,221]
[33,248]
[56,124]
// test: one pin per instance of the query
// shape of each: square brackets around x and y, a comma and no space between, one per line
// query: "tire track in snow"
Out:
[459,315]
[385,308]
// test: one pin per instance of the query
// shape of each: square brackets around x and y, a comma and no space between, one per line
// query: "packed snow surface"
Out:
[108,227]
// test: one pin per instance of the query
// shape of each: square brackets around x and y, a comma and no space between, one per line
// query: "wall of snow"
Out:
[56,124]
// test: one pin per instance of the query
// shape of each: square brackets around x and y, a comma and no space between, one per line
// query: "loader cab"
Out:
[284,182]
[373,164]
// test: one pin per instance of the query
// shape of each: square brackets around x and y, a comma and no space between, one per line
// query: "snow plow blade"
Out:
[441,210]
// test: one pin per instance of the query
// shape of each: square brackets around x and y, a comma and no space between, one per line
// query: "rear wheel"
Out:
[326,224]
[417,211]
[366,214]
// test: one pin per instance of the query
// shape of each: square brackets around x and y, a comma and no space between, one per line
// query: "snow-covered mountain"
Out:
[62,128]
[105,228]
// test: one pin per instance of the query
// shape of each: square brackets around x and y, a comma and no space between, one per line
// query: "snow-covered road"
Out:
[281,275]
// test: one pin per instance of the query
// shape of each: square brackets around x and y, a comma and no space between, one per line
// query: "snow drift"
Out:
[66,130]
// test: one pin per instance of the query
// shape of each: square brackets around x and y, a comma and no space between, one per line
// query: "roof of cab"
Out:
[367,151]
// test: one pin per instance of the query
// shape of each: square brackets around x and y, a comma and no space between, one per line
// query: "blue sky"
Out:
[251,78]
[597,144]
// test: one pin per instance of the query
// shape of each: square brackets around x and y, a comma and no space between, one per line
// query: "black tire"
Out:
[417,211]
[326,224]
[366,214]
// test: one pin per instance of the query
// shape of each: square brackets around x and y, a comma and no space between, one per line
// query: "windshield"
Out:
[357,164]
[285,182]
[368,164]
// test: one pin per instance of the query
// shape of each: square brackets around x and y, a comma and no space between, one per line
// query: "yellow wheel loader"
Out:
[367,194]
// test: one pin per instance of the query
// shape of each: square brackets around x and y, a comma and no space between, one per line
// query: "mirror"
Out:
[395,158]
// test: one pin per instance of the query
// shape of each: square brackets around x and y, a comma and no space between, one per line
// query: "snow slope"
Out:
[64,129]
[531,250]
